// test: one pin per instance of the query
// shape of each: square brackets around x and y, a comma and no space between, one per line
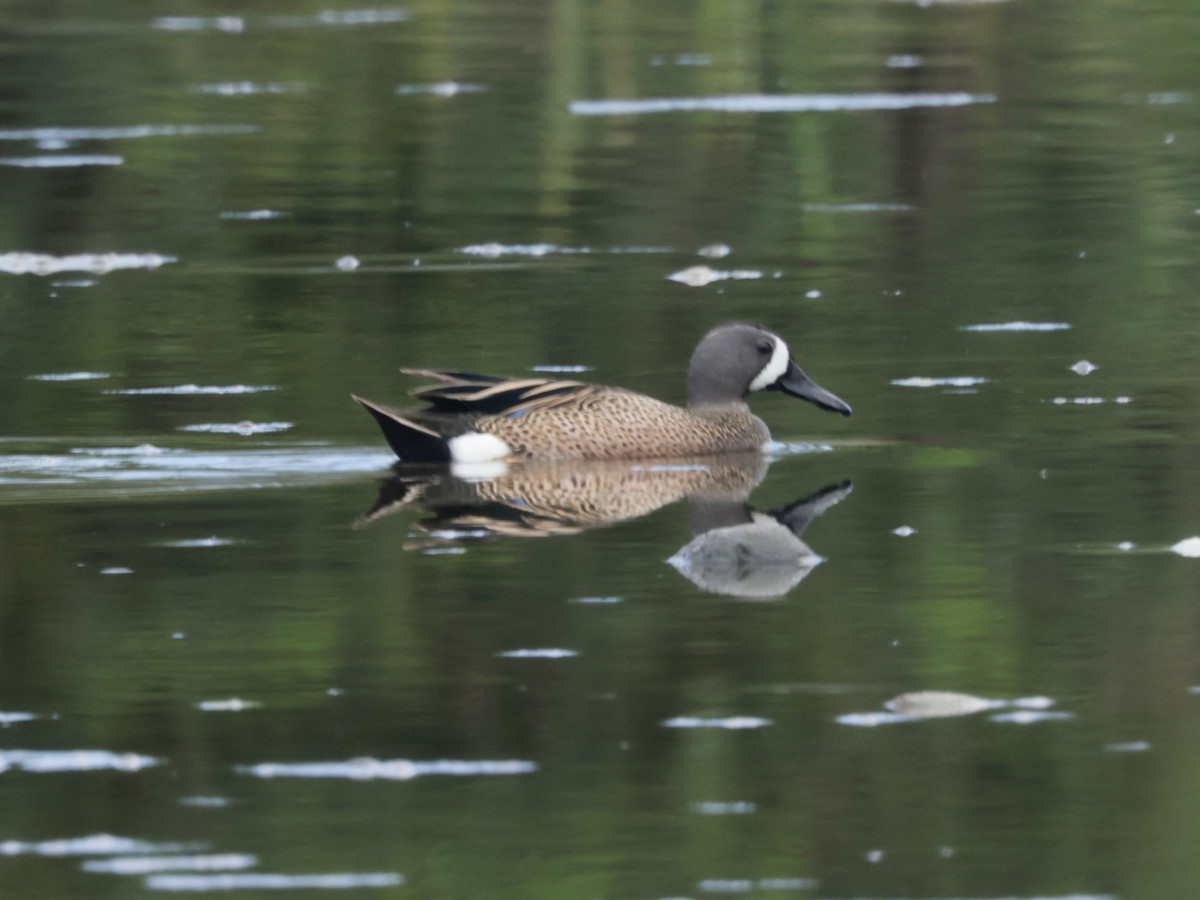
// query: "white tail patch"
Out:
[476,447]
[773,370]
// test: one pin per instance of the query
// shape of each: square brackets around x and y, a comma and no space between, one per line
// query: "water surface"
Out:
[945,648]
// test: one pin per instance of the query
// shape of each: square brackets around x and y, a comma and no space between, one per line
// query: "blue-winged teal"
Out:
[483,418]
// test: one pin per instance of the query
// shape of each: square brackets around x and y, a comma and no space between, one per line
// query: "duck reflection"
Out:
[738,551]
[735,550]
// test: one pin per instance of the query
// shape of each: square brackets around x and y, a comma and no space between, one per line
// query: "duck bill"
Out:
[796,383]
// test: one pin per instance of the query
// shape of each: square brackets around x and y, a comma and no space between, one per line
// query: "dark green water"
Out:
[197,606]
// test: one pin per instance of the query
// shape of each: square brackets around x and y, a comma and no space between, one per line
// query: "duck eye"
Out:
[766,348]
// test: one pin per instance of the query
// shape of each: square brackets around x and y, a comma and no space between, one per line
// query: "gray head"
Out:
[737,358]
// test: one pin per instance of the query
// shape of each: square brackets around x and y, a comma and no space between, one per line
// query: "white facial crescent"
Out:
[773,370]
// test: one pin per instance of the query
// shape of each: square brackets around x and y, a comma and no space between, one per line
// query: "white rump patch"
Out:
[476,447]
[773,370]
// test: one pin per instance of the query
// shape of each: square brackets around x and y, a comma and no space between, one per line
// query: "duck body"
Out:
[482,418]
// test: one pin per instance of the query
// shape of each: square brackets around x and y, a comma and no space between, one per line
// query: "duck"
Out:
[479,419]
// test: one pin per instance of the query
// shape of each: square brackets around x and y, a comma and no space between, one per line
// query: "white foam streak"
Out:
[261,881]
[90,845]
[494,250]
[253,215]
[699,276]
[243,428]
[440,89]
[60,161]
[1018,326]
[68,376]
[858,207]
[21,263]
[919,381]
[233,704]
[45,761]
[728,723]
[229,24]
[1189,547]
[148,865]
[772,103]
[193,389]
[370,769]
[539,653]
[60,135]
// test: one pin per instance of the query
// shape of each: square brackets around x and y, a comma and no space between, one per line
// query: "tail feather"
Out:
[409,440]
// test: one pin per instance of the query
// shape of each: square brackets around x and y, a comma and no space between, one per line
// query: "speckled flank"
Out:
[597,422]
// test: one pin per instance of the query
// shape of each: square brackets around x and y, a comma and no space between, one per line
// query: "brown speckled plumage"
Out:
[597,422]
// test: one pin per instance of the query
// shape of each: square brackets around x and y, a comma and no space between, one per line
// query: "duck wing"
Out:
[491,395]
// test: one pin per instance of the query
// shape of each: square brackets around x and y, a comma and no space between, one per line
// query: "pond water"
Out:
[946,648]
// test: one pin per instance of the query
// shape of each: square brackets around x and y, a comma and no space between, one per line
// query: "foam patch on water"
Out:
[597,601]
[231,24]
[205,802]
[539,653]
[795,448]
[95,263]
[858,207]
[149,865]
[751,885]
[699,276]
[370,769]
[1018,326]
[385,16]
[1089,401]
[682,59]
[440,89]
[1031,717]
[150,468]
[1128,747]
[920,381]
[233,704]
[245,428]
[260,881]
[249,88]
[460,534]
[775,103]
[199,543]
[194,389]
[59,136]
[14,718]
[916,706]
[228,24]
[1189,547]
[253,215]
[43,761]
[68,376]
[728,723]
[91,845]
[494,250]
[718,808]
[61,161]
[561,369]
